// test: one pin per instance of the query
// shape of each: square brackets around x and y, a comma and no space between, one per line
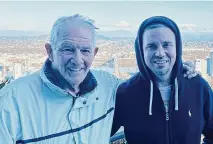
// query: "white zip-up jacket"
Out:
[34,110]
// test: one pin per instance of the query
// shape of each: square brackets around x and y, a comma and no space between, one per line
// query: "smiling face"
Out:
[159,47]
[74,52]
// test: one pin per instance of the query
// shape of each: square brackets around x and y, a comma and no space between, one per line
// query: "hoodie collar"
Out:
[88,84]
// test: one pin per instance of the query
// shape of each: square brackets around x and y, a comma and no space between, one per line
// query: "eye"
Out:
[166,45]
[151,46]
[67,50]
[86,51]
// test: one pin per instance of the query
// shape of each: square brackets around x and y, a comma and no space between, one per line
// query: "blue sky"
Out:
[109,15]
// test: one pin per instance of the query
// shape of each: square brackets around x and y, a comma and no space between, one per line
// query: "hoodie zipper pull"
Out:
[166,106]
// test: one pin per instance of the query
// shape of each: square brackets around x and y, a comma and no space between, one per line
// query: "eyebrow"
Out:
[150,44]
[70,44]
[167,42]
[66,44]
[86,47]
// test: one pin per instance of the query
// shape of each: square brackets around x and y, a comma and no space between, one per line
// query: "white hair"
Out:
[63,20]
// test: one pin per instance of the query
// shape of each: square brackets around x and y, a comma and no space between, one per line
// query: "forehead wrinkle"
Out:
[75,43]
[76,35]
[79,39]
[76,27]
[71,32]
[158,39]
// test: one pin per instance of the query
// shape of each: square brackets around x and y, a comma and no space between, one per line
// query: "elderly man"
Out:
[158,105]
[65,102]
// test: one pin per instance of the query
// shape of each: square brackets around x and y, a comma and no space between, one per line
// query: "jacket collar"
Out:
[88,84]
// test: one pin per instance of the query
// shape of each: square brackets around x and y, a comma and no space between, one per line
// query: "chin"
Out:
[77,79]
[162,72]
[74,82]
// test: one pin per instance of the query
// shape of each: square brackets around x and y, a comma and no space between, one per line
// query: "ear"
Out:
[95,51]
[49,51]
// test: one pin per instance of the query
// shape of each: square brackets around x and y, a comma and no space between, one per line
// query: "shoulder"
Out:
[199,85]
[105,77]
[22,84]
[25,81]
[131,84]
[197,82]
[102,74]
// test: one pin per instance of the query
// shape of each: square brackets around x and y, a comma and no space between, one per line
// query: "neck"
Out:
[163,80]
[72,89]
[62,83]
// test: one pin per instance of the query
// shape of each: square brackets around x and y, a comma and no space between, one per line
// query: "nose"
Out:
[77,58]
[160,52]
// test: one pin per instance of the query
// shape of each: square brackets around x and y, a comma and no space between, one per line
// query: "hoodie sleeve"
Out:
[208,115]
[117,120]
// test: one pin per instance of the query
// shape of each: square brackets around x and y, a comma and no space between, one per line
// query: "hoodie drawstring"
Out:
[176,94]
[151,96]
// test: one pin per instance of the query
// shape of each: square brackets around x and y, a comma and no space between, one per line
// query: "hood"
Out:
[144,70]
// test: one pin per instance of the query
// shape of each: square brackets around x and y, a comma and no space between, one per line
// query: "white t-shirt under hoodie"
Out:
[165,94]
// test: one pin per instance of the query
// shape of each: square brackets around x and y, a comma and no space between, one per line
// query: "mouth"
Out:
[160,61]
[75,69]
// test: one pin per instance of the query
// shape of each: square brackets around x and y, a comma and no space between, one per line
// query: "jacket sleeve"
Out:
[208,115]
[117,120]
[5,128]
[9,129]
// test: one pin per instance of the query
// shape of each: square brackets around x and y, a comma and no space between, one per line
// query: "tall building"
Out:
[208,62]
[211,63]
[18,70]
[1,72]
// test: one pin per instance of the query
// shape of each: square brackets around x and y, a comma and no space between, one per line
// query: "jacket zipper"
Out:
[168,119]
[166,116]
[74,100]
[167,128]
[169,114]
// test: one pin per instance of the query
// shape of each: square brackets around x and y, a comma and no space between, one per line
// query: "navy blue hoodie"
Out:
[140,108]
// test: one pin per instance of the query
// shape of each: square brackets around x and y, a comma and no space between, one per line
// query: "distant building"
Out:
[9,75]
[211,63]
[208,62]
[125,67]
[1,72]
[18,70]
[1,68]
[201,66]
